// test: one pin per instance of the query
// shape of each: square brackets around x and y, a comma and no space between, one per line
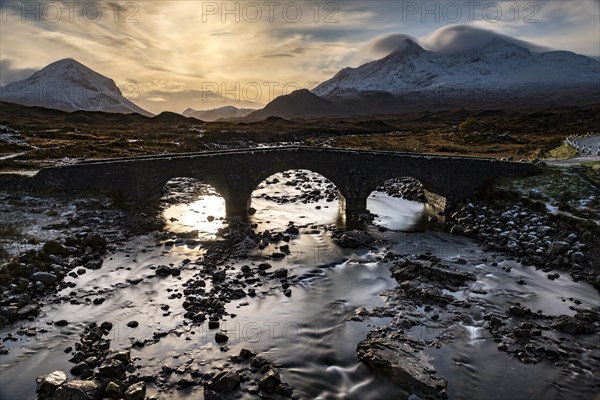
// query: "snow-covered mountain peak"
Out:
[69,85]
[500,64]
[500,48]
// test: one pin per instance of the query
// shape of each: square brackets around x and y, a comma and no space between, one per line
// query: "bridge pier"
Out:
[353,206]
[237,206]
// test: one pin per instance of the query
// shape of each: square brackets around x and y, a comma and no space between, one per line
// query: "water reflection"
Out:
[206,215]
[402,215]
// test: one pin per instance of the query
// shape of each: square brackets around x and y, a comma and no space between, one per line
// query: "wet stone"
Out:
[404,364]
[220,337]
[132,324]
[78,390]
[79,368]
[112,391]
[264,266]
[269,381]
[137,391]
[573,325]
[219,275]
[225,382]
[47,385]
[113,369]
[281,273]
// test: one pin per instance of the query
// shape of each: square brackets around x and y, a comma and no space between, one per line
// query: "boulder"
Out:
[557,248]
[47,385]
[112,391]
[47,278]
[354,239]
[113,369]
[163,270]
[225,382]
[137,391]
[281,273]
[220,337]
[403,363]
[269,381]
[79,368]
[219,275]
[457,230]
[578,257]
[573,325]
[120,355]
[79,390]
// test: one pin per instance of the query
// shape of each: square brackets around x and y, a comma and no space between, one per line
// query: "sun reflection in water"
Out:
[205,215]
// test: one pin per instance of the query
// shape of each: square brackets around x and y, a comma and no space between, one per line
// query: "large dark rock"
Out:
[225,382]
[557,248]
[407,269]
[573,325]
[403,363]
[112,369]
[354,239]
[137,391]
[79,368]
[269,381]
[47,278]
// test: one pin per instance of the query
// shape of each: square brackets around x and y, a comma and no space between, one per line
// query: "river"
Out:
[308,335]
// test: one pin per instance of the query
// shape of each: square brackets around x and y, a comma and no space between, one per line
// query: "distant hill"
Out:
[218,113]
[296,104]
[168,117]
[68,85]
[40,115]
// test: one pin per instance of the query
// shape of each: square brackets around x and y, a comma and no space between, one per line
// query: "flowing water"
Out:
[308,335]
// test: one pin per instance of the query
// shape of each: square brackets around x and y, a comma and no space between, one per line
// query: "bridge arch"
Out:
[434,194]
[295,194]
[245,197]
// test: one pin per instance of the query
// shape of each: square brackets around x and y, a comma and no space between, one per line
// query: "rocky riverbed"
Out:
[292,304]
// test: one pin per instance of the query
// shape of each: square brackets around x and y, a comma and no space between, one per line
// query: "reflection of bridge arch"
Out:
[236,173]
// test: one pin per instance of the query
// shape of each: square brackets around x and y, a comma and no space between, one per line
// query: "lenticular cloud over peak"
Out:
[452,39]
[457,39]
[386,44]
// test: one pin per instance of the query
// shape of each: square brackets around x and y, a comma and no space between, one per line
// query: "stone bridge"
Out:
[235,174]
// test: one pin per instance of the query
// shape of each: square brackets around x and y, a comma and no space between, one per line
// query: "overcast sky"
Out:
[178,53]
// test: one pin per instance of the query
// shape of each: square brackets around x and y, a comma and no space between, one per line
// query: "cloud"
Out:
[8,73]
[279,55]
[386,44]
[456,39]
[451,39]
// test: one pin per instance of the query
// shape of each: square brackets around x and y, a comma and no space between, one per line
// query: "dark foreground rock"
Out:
[352,239]
[397,358]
